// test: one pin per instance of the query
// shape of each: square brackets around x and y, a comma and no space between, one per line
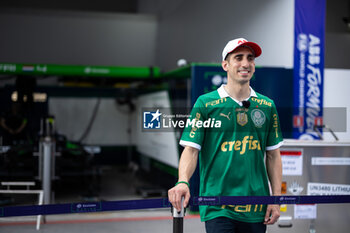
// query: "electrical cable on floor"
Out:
[91,122]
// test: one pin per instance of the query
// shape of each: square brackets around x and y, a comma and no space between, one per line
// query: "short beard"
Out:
[242,82]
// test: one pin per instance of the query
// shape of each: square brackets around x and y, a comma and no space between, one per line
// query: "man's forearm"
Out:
[274,170]
[188,163]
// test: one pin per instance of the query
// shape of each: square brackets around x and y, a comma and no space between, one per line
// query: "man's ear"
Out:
[224,65]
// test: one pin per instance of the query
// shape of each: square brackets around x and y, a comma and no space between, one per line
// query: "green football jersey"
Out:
[232,140]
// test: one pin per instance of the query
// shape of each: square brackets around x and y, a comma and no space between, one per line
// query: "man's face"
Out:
[240,65]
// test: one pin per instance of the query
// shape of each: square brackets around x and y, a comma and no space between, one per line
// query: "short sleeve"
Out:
[193,135]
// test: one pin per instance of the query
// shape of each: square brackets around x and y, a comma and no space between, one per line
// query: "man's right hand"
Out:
[176,193]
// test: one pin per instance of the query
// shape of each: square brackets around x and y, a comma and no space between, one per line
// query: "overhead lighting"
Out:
[37,97]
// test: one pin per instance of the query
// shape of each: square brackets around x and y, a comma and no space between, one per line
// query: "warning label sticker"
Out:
[327,189]
[292,162]
[330,161]
[305,211]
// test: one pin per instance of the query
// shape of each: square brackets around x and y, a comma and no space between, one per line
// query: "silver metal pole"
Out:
[178,218]
[47,149]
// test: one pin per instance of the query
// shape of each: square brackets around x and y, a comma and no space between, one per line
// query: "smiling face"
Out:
[240,65]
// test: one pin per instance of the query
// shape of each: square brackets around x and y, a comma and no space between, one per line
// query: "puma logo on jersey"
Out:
[227,116]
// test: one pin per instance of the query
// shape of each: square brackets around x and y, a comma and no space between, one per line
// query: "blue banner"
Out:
[11,211]
[308,67]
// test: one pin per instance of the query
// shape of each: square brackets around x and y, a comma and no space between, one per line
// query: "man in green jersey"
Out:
[232,157]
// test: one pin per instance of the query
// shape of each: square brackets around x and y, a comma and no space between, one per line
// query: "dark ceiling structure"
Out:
[121,6]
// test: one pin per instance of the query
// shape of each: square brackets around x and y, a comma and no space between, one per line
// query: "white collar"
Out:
[222,93]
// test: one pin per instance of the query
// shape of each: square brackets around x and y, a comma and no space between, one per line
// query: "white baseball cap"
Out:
[234,44]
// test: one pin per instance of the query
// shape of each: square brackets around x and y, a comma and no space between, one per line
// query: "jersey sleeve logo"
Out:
[258,117]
